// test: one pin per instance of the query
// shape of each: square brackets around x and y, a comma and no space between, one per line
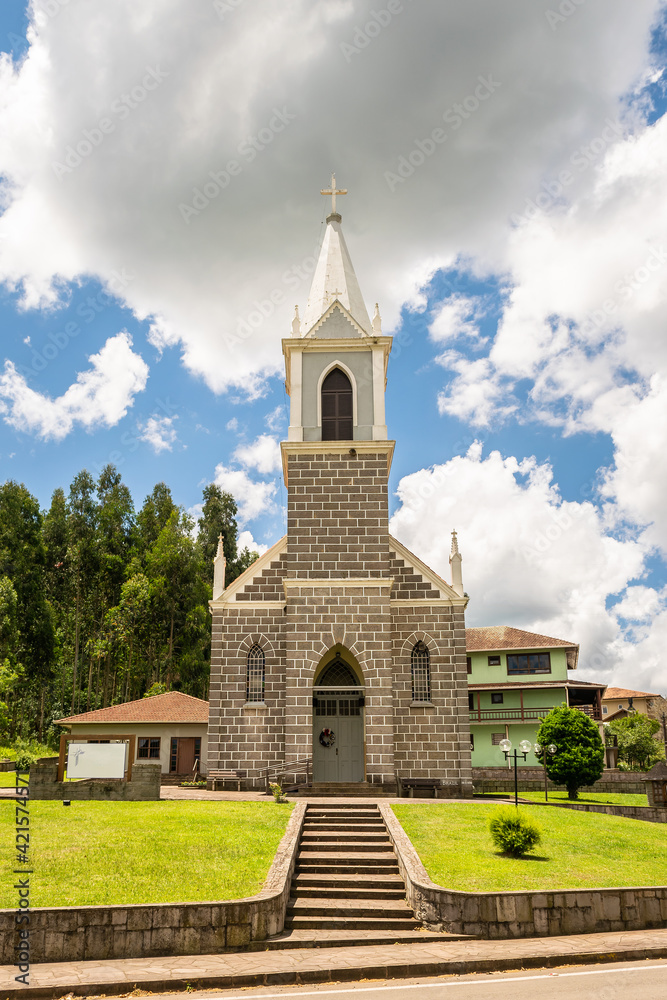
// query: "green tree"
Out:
[23,561]
[10,670]
[638,748]
[82,556]
[153,516]
[579,759]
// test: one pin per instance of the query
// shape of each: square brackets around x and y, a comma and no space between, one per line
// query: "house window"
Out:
[528,663]
[255,674]
[471,701]
[496,738]
[494,661]
[604,709]
[336,407]
[496,698]
[469,664]
[148,747]
[198,749]
[472,742]
[173,754]
[421,672]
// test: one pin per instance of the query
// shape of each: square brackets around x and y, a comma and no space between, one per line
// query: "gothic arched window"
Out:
[255,674]
[336,407]
[421,672]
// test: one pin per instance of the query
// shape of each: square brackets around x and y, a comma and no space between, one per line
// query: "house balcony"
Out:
[502,714]
[592,711]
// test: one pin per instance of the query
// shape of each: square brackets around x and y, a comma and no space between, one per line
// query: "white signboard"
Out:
[96,760]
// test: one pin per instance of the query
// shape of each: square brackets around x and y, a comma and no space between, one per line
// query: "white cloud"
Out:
[221,288]
[530,559]
[159,433]
[253,498]
[262,454]
[458,316]
[232,425]
[246,541]
[101,395]
[276,418]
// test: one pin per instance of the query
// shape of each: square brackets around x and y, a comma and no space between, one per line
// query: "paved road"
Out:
[626,981]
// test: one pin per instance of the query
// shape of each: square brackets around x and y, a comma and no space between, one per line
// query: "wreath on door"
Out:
[327,737]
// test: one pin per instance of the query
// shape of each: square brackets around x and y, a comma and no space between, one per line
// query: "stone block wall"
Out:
[144,785]
[432,741]
[98,933]
[522,914]
[243,735]
[501,779]
[337,515]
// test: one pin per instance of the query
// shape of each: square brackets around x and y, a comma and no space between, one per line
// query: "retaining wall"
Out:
[522,914]
[650,814]
[531,779]
[77,933]
[143,786]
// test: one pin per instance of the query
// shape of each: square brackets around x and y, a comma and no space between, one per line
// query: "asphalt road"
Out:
[626,981]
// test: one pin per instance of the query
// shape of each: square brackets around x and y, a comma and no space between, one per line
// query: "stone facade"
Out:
[338,589]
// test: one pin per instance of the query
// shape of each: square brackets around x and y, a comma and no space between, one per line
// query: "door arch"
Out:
[338,719]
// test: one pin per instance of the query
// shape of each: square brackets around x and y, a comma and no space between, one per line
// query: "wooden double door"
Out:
[338,738]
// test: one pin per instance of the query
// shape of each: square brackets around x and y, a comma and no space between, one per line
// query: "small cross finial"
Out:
[333,191]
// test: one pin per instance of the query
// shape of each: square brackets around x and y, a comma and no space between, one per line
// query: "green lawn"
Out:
[578,850]
[7,779]
[601,798]
[144,852]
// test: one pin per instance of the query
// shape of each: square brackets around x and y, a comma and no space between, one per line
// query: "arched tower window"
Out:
[421,672]
[336,407]
[255,674]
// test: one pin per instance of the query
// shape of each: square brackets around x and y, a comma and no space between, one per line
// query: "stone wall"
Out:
[501,779]
[98,933]
[144,785]
[243,735]
[522,914]
[650,814]
[432,740]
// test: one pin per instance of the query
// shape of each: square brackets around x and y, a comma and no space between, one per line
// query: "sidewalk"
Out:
[318,965]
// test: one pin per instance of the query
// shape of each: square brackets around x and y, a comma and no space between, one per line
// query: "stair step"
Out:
[343,937]
[360,837]
[332,892]
[334,823]
[350,846]
[336,869]
[351,881]
[382,908]
[350,923]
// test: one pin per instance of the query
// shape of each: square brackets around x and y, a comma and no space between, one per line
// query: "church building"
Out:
[339,646]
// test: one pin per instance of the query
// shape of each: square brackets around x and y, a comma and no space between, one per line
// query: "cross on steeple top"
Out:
[333,191]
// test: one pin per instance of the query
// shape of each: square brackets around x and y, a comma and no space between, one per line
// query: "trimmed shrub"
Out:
[513,832]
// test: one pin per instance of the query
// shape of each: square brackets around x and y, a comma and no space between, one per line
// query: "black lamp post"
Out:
[541,754]
[525,748]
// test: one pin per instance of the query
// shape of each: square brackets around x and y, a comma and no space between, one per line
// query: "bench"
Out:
[409,784]
[214,777]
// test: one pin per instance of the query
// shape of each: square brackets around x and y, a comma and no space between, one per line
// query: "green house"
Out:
[515,678]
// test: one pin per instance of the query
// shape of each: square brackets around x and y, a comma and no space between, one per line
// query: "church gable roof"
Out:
[416,580]
[336,324]
[260,580]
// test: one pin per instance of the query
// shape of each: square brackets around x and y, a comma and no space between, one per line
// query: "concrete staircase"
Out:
[347,888]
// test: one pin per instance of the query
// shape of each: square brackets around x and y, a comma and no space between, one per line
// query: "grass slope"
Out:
[578,850]
[599,798]
[144,852]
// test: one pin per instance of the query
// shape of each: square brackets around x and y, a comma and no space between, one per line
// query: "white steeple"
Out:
[219,564]
[334,276]
[455,563]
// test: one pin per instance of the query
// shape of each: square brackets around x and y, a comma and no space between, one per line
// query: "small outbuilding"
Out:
[170,728]
[656,785]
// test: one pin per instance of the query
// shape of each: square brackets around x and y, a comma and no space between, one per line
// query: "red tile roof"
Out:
[614,693]
[507,637]
[174,706]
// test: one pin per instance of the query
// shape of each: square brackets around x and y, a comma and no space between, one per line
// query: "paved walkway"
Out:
[330,964]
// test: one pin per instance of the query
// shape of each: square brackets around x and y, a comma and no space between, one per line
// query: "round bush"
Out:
[513,832]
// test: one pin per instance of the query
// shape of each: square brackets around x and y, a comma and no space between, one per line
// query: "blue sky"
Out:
[506,208]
